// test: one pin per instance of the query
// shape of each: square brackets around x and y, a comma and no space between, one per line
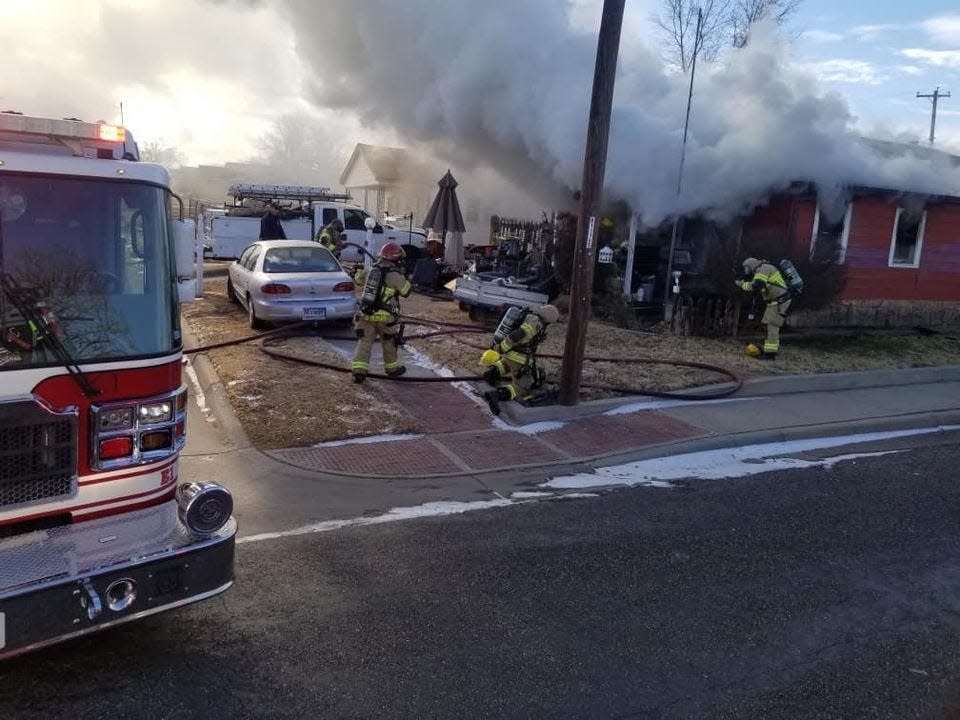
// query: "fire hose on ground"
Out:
[267,340]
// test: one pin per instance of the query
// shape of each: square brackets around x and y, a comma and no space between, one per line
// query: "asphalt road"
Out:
[826,593]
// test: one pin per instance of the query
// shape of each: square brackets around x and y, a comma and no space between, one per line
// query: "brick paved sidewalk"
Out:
[478,449]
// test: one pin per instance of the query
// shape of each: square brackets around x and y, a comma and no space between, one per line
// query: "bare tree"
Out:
[678,21]
[157,152]
[744,14]
[722,19]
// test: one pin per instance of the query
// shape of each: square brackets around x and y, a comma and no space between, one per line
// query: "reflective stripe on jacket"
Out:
[518,343]
[768,280]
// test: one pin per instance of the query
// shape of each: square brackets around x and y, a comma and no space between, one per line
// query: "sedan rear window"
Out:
[299,260]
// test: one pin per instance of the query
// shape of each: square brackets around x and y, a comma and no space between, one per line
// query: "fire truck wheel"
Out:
[255,322]
[231,294]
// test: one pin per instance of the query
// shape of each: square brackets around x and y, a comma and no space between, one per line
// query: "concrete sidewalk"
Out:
[467,440]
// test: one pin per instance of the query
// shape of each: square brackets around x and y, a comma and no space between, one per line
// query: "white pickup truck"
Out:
[230,232]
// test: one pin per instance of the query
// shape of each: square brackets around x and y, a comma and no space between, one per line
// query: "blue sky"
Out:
[879,54]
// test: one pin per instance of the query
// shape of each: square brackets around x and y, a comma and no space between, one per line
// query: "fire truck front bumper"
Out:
[69,581]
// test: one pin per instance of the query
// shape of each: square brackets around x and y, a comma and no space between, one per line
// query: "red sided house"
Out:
[901,253]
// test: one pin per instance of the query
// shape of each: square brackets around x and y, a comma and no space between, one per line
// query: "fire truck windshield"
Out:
[94,260]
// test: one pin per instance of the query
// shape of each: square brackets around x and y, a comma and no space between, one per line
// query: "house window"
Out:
[907,240]
[832,232]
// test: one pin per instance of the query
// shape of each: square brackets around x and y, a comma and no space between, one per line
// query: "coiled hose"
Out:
[267,340]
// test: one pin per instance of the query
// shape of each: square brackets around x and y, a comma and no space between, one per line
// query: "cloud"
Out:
[871,32]
[937,58]
[823,36]
[839,70]
[943,29]
[910,70]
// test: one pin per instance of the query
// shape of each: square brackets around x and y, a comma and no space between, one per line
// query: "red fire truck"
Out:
[95,529]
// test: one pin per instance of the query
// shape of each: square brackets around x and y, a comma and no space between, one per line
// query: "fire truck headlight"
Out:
[204,507]
[158,412]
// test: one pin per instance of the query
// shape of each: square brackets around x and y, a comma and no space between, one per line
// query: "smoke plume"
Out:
[506,84]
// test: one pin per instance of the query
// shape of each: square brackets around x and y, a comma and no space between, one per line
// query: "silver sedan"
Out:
[290,280]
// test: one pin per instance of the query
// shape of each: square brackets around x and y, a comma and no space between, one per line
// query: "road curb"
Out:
[214,391]
[753,387]
[910,421]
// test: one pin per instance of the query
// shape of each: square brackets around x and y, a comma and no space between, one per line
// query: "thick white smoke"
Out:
[506,83]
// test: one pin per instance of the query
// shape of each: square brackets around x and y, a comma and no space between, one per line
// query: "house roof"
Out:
[890,149]
[387,164]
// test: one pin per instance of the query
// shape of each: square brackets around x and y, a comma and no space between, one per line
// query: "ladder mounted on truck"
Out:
[300,193]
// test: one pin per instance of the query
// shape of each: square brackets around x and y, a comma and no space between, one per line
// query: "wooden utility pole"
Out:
[594,166]
[934,98]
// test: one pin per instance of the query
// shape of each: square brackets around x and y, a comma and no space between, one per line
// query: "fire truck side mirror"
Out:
[185,245]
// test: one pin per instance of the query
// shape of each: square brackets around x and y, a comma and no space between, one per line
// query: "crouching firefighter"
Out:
[776,287]
[379,314]
[331,236]
[511,363]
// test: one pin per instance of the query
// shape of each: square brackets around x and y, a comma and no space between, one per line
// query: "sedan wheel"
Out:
[231,293]
[255,322]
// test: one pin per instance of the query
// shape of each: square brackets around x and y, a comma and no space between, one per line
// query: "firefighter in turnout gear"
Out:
[765,279]
[331,237]
[511,363]
[383,286]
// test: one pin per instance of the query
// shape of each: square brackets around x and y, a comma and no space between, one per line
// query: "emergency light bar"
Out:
[303,193]
[83,139]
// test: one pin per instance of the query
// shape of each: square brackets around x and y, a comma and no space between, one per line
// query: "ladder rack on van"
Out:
[301,193]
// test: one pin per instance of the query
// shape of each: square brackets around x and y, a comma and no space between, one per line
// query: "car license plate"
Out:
[314,313]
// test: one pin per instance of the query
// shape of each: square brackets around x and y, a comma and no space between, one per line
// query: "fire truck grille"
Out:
[38,454]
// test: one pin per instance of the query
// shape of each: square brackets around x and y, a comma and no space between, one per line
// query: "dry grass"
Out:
[283,404]
[801,354]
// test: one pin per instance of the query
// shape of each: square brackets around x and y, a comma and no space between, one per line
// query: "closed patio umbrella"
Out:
[445,217]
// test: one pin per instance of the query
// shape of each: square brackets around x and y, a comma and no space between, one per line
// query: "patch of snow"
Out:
[249,398]
[432,509]
[526,495]
[197,394]
[539,427]
[367,439]
[730,462]
[575,495]
[661,404]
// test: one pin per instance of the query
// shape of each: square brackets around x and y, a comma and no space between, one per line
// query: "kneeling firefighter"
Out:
[331,236]
[383,286]
[511,363]
[776,287]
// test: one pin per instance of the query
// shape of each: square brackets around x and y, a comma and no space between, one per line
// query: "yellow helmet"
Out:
[753,350]
[489,357]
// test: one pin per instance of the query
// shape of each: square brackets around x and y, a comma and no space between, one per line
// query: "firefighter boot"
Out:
[397,371]
[359,377]
[767,356]
[493,398]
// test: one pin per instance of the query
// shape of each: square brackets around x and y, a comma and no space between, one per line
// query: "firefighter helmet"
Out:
[489,357]
[753,350]
[751,265]
[548,313]
[391,252]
